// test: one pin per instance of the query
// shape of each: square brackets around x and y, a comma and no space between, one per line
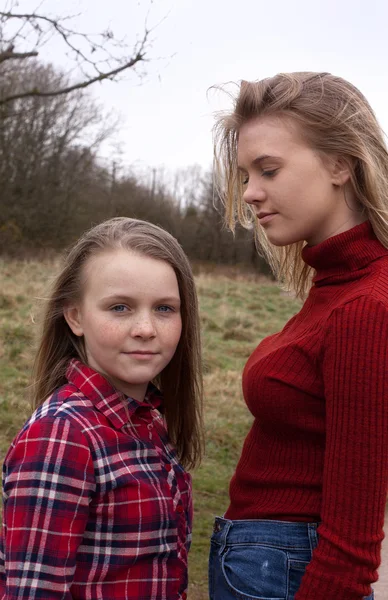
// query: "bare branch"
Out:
[10,55]
[62,31]
[89,52]
[77,86]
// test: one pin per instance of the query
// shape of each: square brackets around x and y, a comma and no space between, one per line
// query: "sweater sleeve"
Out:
[48,480]
[355,478]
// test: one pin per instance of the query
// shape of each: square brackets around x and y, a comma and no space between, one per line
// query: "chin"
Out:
[283,240]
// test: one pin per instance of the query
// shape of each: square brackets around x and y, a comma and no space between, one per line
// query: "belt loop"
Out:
[313,535]
[224,534]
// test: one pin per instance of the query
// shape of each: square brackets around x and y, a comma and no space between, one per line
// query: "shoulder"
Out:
[366,307]
[50,445]
[367,292]
[66,414]
[360,308]
[358,327]
[68,403]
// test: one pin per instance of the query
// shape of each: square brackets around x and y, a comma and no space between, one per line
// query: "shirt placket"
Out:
[177,484]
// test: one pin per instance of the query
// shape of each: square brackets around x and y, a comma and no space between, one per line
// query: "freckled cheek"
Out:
[107,332]
[169,328]
[174,333]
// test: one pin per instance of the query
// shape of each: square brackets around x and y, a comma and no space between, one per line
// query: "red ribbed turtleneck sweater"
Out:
[318,391]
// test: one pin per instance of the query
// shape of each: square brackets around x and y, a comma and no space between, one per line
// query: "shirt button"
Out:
[168,467]
[179,508]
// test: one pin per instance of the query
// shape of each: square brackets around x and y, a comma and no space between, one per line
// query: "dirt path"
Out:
[381,587]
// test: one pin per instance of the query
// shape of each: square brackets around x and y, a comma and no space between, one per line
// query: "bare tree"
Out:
[48,160]
[23,35]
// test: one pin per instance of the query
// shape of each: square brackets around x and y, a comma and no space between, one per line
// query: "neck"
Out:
[348,214]
[348,222]
[342,256]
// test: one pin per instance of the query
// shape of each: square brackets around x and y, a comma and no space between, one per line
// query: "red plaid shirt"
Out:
[96,504]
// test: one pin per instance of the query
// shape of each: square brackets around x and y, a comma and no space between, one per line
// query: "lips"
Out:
[142,352]
[263,214]
[141,355]
[265,217]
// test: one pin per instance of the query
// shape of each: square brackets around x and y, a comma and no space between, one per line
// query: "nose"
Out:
[254,191]
[143,326]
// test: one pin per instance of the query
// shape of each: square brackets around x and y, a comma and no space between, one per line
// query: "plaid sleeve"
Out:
[49,478]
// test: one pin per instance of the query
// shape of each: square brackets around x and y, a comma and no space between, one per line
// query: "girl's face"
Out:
[295,194]
[129,316]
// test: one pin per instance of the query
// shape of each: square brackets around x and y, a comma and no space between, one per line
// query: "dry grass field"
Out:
[236,313]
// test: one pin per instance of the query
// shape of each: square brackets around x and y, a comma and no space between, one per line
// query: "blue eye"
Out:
[164,308]
[119,308]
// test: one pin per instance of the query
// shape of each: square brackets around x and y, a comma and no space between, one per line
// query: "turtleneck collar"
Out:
[344,253]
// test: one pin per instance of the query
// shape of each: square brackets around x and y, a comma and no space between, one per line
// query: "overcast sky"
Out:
[167,119]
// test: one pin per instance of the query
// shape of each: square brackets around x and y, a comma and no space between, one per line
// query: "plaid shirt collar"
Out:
[113,404]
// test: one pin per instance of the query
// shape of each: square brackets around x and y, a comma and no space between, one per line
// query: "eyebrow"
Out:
[123,298]
[259,159]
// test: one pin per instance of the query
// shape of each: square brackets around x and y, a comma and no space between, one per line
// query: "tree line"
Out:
[53,185]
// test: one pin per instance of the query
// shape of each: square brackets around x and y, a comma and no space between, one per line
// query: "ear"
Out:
[340,171]
[72,315]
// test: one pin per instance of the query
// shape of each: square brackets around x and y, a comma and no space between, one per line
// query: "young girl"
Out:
[97,504]
[302,157]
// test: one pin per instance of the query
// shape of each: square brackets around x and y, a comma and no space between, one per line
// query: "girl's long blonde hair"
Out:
[181,379]
[334,118]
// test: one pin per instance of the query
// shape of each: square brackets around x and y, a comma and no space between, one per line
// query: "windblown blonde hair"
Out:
[334,118]
[181,380]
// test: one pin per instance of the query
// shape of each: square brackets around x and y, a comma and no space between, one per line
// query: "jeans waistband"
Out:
[259,531]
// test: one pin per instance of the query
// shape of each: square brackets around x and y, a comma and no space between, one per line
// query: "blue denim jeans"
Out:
[259,560]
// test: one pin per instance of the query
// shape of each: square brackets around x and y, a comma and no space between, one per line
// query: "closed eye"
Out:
[270,173]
